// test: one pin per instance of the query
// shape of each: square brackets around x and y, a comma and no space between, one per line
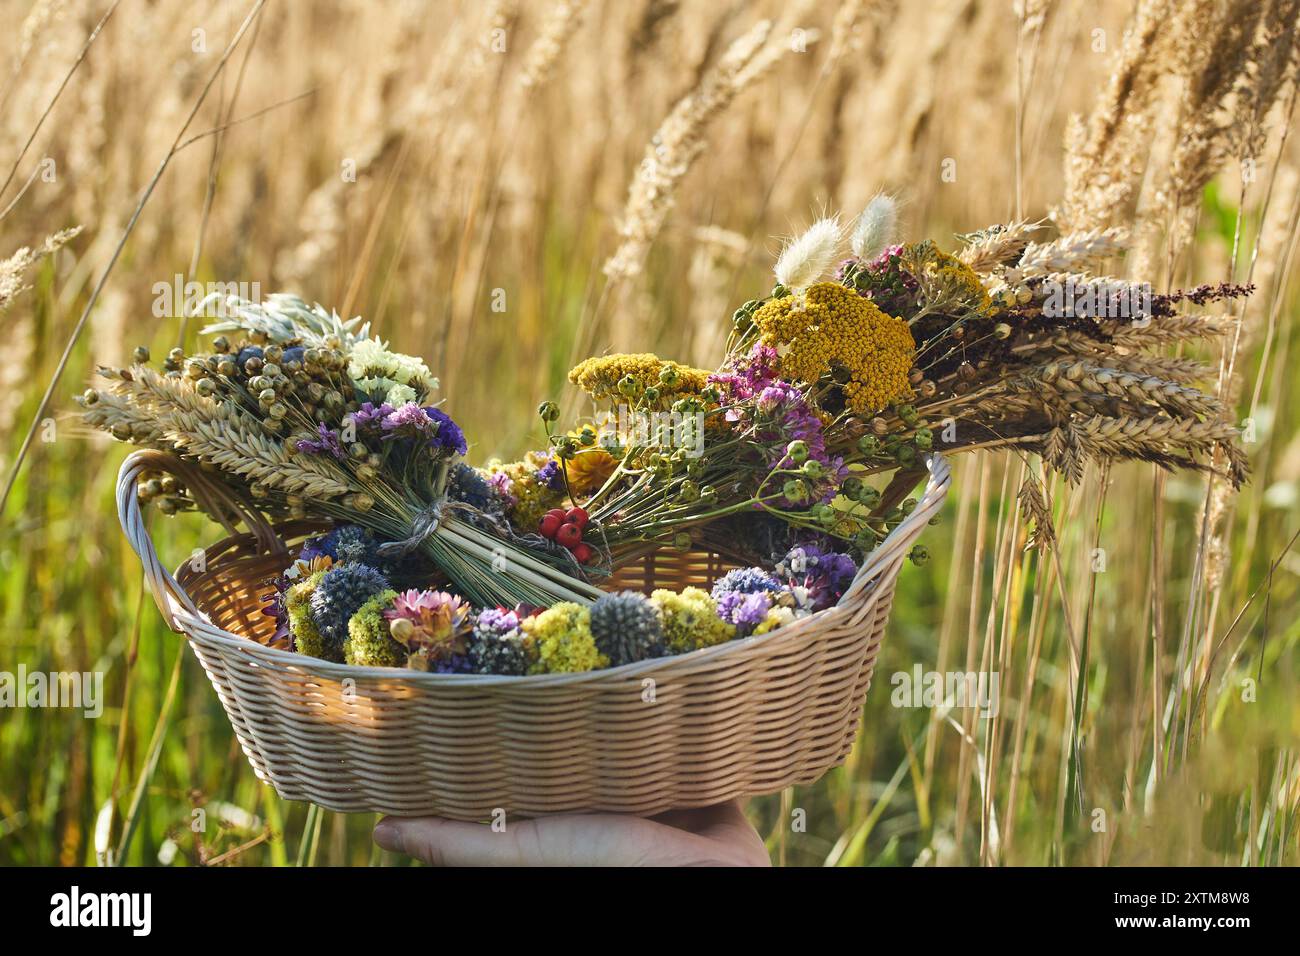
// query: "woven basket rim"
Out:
[198,626]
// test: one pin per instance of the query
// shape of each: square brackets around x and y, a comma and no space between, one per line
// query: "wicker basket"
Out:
[748,717]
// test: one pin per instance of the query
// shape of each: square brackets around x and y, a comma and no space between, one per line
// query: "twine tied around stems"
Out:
[423,526]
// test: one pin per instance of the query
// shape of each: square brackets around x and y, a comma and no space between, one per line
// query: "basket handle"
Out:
[212,496]
[895,547]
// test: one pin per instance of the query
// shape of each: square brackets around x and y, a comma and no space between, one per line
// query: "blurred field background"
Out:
[423,162]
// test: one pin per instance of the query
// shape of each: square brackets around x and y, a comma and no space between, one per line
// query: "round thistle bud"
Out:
[868,445]
[852,488]
[141,355]
[870,497]
[919,555]
[626,628]
[587,437]
[908,506]
[548,411]
[905,455]
[741,319]
[907,413]
[797,451]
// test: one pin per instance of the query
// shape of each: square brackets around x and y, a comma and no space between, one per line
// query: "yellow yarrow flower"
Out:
[599,377]
[563,639]
[829,325]
[690,619]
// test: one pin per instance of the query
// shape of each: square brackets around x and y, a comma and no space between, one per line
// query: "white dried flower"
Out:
[805,260]
[876,227]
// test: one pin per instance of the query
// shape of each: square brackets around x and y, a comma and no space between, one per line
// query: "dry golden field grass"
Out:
[506,187]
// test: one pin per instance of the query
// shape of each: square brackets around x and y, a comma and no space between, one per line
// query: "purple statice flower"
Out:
[408,420]
[503,486]
[741,381]
[449,436]
[824,574]
[745,581]
[455,664]
[550,475]
[745,611]
[369,415]
[327,444]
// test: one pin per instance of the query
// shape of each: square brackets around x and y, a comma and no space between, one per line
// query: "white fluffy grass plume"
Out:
[876,227]
[805,260]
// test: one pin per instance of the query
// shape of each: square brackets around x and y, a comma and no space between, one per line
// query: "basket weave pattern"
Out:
[748,717]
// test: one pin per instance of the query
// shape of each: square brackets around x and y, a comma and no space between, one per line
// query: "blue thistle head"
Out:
[340,593]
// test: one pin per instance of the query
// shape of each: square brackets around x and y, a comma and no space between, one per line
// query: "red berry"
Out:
[569,535]
[578,516]
[559,514]
[583,553]
[548,525]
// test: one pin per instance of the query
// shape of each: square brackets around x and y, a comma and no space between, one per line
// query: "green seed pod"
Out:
[690,492]
[629,386]
[908,506]
[906,454]
[669,375]
[795,490]
[851,488]
[266,396]
[89,397]
[548,411]
[923,439]
[814,469]
[652,394]
[919,555]
[868,445]
[797,451]
[870,496]
[682,541]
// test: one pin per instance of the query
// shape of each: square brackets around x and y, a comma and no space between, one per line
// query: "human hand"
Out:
[712,836]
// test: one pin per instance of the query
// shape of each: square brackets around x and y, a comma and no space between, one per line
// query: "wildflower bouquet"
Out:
[307,415]
[798,451]
[857,367]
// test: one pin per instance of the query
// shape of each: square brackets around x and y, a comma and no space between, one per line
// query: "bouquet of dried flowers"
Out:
[307,415]
[798,450]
